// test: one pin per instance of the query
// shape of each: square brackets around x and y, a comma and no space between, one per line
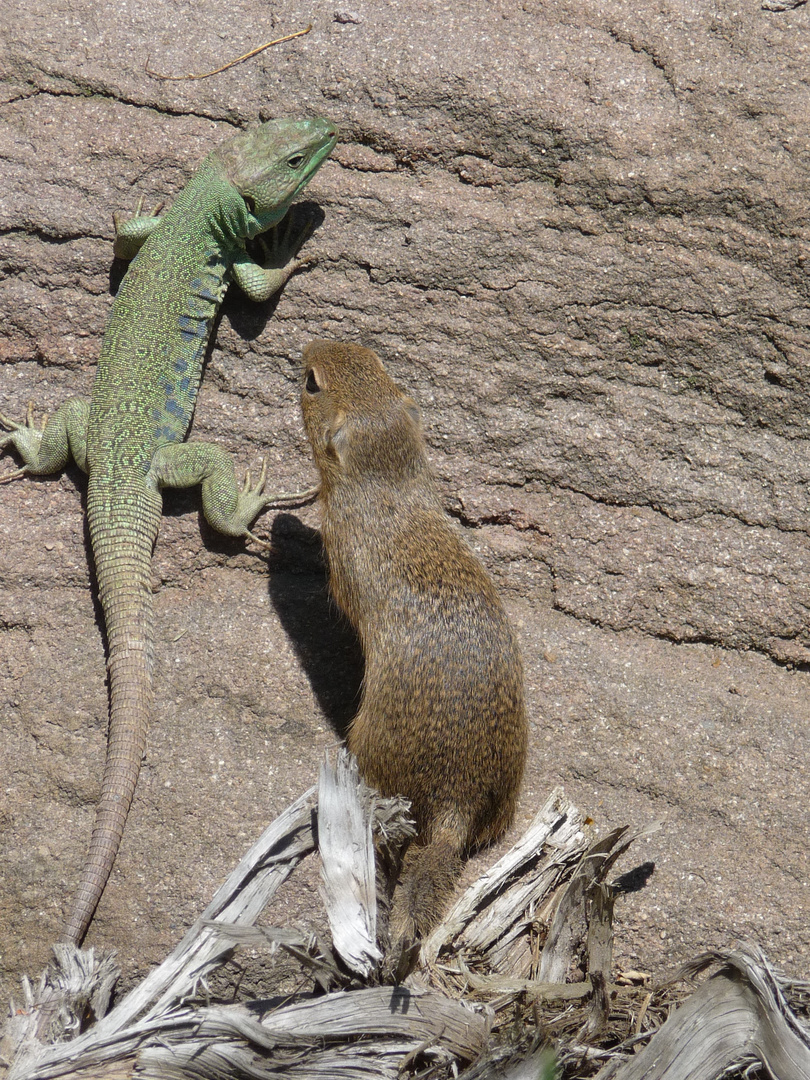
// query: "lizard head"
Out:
[271,164]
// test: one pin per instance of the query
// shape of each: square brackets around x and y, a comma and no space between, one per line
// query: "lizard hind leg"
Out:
[228,508]
[49,448]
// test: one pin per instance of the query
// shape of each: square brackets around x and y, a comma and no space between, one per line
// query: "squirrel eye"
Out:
[311,386]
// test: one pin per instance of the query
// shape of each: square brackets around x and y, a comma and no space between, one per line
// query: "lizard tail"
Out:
[123,560]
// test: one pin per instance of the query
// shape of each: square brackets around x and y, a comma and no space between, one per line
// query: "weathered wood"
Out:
[493,930]
[738,1015]
[484,948]
[570,924]
[305,1040]
[487,910]
[349,888]
[247,891]
[366,1033]
[76,985]
[267,864]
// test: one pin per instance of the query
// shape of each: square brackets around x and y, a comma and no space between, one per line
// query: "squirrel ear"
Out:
[337,436]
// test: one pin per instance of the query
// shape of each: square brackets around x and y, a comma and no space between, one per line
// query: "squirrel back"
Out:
[442,718]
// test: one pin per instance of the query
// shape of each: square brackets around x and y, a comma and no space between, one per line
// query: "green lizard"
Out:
[129,436]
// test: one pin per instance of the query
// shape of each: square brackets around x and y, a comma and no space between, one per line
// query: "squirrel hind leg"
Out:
[428,877]
[427,883]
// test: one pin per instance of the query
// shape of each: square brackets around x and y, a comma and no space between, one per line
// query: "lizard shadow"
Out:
[248,318]
[324,642]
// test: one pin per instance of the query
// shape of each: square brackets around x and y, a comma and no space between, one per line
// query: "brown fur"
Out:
[442,718]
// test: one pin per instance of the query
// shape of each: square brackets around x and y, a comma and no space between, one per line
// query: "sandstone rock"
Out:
[577,234]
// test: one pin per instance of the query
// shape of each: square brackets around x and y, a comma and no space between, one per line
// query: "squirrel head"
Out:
[357,419]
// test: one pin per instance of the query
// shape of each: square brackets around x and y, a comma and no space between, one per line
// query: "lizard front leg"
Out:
[48,449]
[279,246]
[228,508]
[132,233]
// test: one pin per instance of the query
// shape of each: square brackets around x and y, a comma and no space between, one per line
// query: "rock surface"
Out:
[577,234]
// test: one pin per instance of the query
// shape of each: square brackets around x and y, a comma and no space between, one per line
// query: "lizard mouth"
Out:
[323,148]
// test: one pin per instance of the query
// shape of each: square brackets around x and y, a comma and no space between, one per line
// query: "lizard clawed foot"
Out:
[294,496]
[14,475]
[133,230]
[12,426]
[259,488]
[121,216]
[282,496]
[303,263]
[252,503]
[253,495]
[264,544]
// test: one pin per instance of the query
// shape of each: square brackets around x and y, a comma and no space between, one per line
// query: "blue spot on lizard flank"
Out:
[175,409]
[166,432]
[169,388]
[192,329]
[184,384]
[180,365]
[156,414]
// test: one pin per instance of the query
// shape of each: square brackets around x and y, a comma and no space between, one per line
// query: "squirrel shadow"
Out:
[324,641]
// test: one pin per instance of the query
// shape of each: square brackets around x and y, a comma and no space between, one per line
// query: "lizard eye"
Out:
[250,203]
[295,160]
[311,386]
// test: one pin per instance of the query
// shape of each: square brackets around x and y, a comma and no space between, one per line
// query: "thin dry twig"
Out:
[230,64]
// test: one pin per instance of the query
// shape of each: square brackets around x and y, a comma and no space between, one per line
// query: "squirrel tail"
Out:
[427,881]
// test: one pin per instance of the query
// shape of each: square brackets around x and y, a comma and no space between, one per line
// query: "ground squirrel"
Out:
[442,718]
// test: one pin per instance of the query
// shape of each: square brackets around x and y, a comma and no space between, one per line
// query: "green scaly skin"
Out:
[129,437]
